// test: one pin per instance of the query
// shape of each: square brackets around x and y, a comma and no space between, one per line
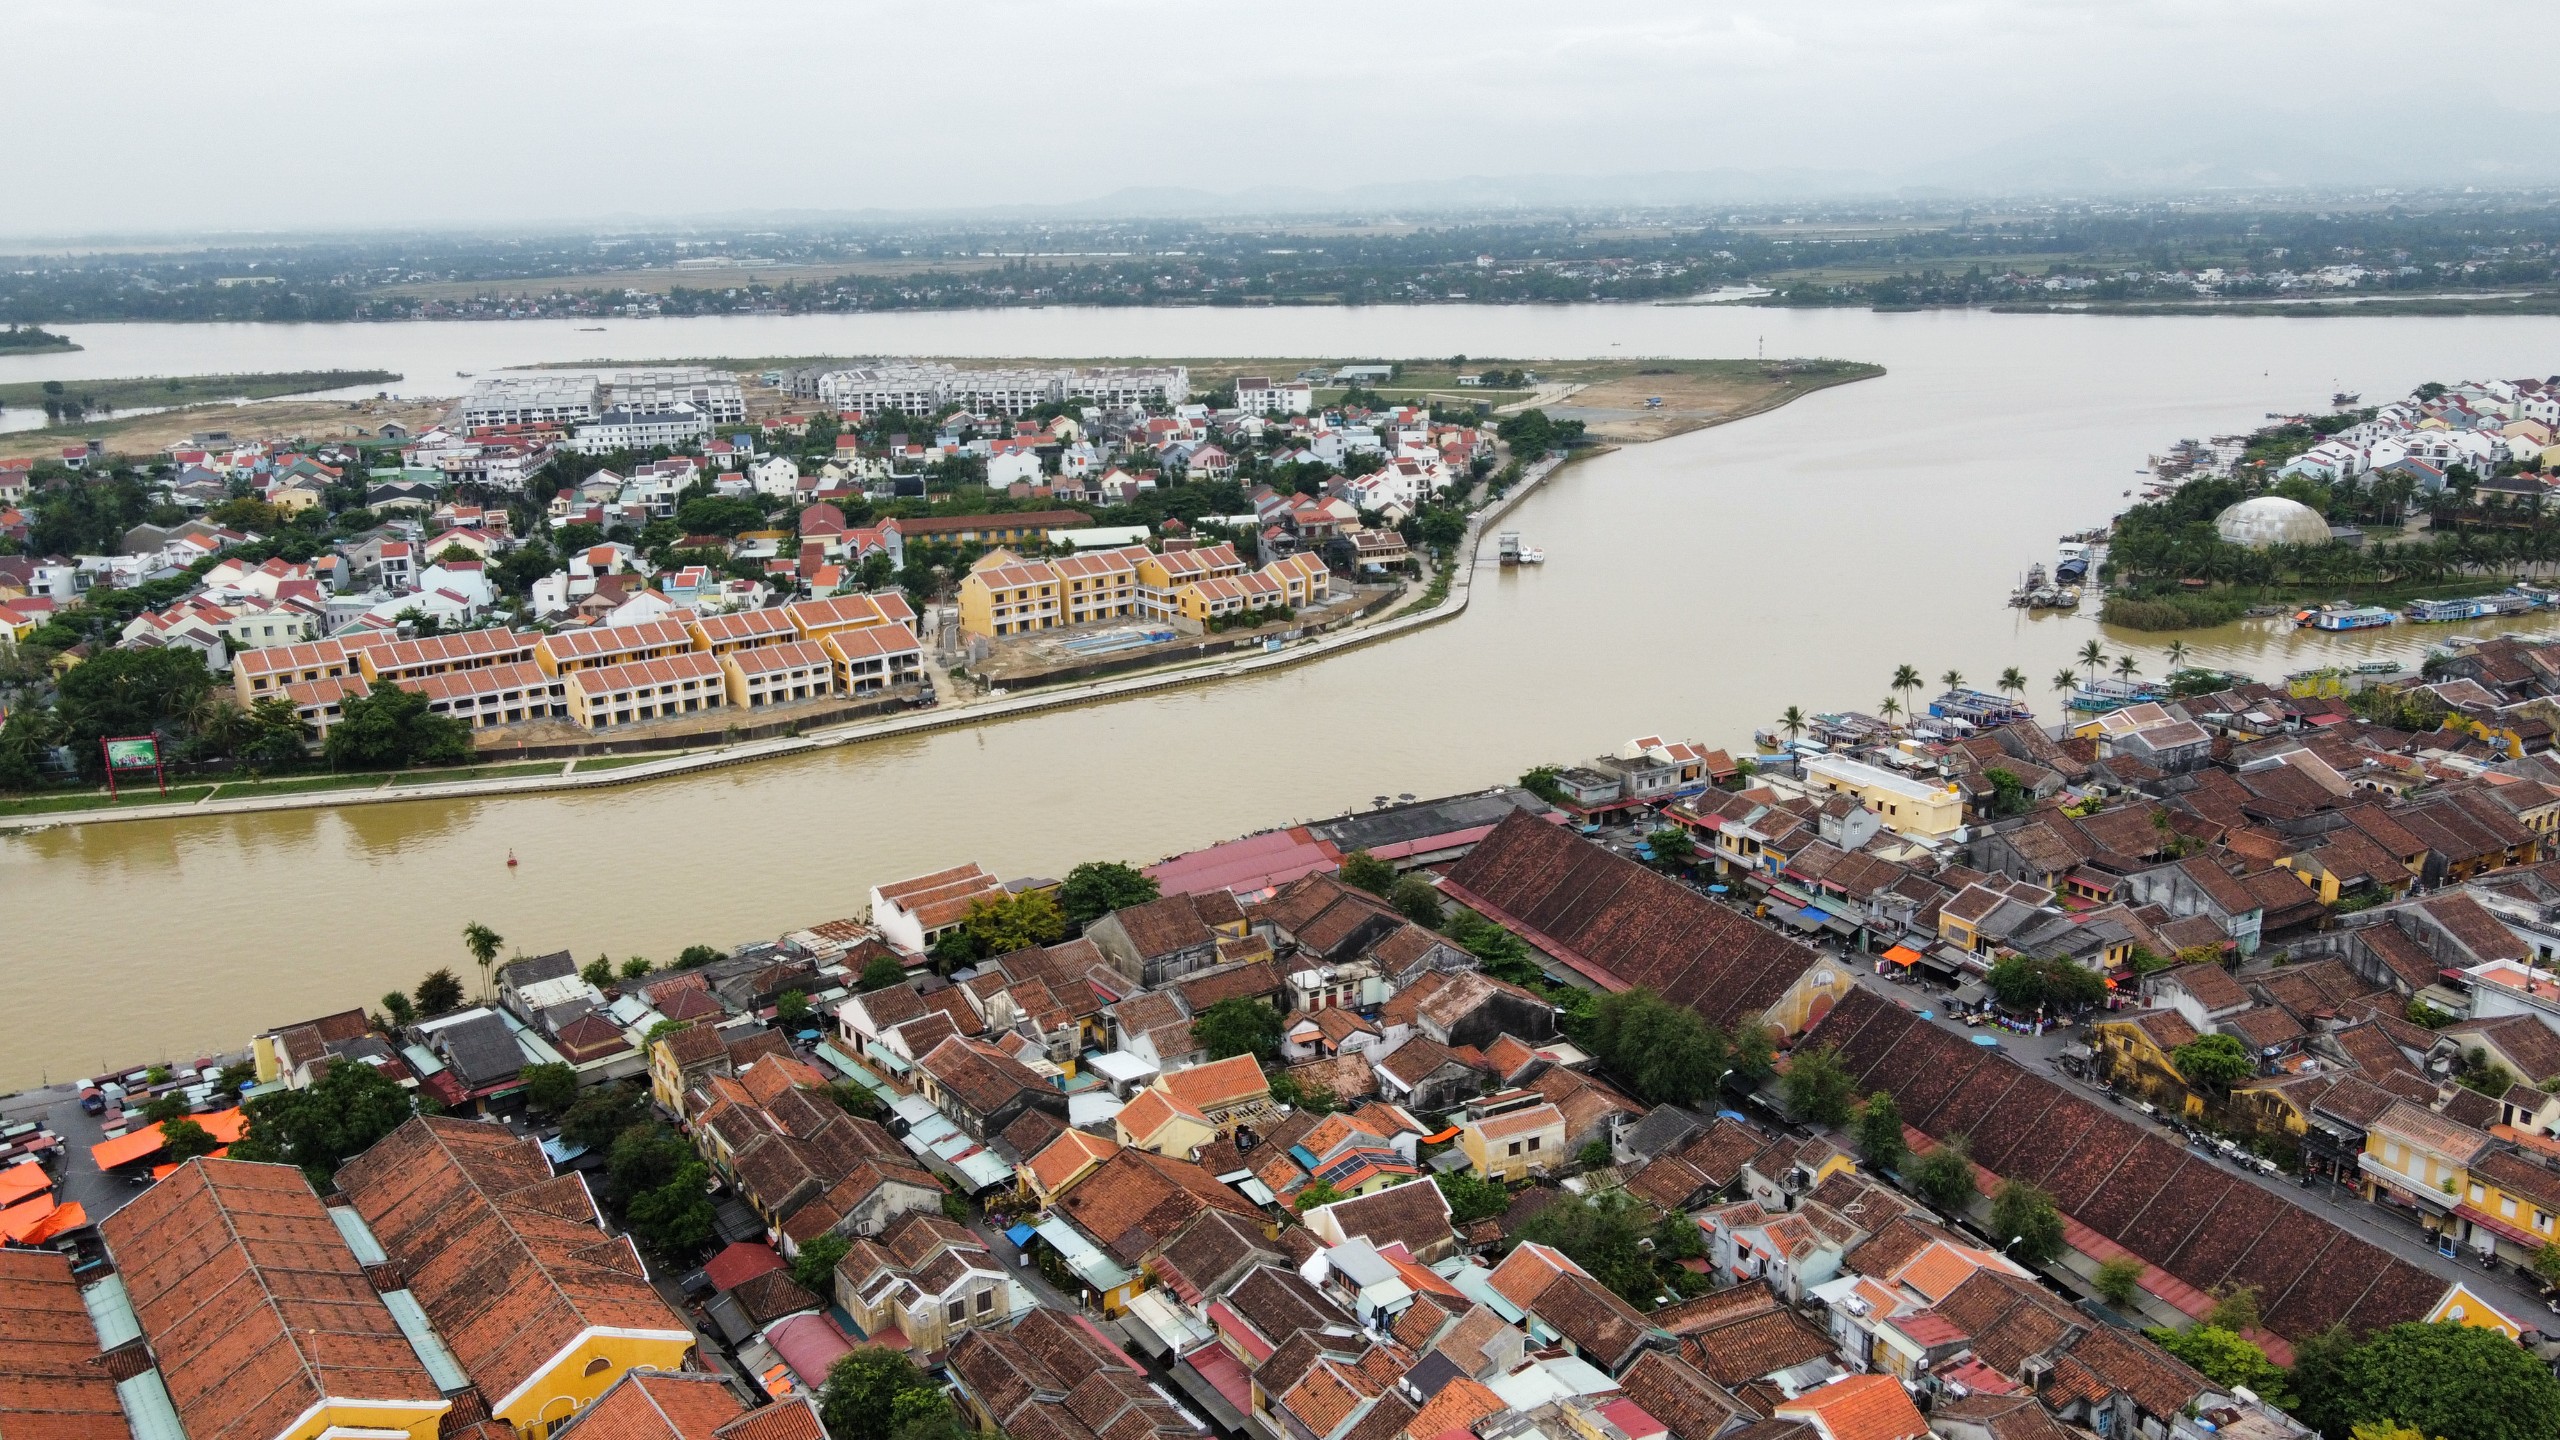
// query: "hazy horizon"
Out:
[480,117]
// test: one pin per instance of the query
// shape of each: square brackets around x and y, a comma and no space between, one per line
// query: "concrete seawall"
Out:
[1461,588]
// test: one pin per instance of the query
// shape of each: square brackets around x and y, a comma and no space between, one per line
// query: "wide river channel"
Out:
[1695,587]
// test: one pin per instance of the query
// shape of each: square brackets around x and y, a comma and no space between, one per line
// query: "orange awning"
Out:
[64,1218]
[225,1126]
[17,1182]
[19,1221]
[1903,955]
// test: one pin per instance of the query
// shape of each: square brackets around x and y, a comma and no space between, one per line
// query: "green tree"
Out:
[1671,846]
[392,729]
[327,1123]
[2546,1263]
[855,1100]
[881,972]
[2456,1381]
[398,1009]
[1669,1054]
[1817,1087]
[2213,1062]
[2118,1280]
[1505,955]
[1471,1196]
[1755,1053]
[182,1140]
[1541,781]
[1368,872]
[2024,982]
[815,1266]
[1944,1176]
[1016,922]
[601,1113]
[676,1219]
[635,967]
[550,1087]
[1318,1193]
[118,692]
[1879,1132]
[2026,1223]
[483,944]
[439,992]
[874,1392]
[1098,887]
[791,1008]
[1417,900]
[162,1108]
[597,972]
[2226,1359]
[1605,1232]
[1243,1025]
[693,957]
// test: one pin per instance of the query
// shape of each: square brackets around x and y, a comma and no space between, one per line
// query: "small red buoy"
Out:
[511,859]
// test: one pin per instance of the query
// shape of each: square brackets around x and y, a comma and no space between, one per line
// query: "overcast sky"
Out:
[280,114]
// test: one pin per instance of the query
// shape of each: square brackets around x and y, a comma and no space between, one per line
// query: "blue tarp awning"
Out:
[1020,1235]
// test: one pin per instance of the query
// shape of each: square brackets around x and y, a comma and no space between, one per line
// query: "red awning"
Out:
[2505,1228]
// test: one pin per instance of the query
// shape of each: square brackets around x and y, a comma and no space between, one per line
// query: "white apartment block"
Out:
[1131,387]
[917,388]
[531,398]
[621,429]
[1258,395]
[712,394]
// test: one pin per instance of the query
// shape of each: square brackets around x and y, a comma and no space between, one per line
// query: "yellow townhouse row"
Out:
[849,645]
[1004,594]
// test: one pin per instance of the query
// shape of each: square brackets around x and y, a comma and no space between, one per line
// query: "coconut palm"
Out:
[2013,681]
[2177,655]
[1889,707]
[2093,656]
[483,944]
[1953,679]
[1793,721]
[2065,682]
[2127,667]
[1905,680]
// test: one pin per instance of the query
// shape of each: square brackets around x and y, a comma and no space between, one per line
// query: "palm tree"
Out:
[2013,681]
[1889,707]
[2126,668]
[1953,679]
[1905,679]
[483,944]
[1793,722]
[2092,656]
[2177,655]
[2065,682]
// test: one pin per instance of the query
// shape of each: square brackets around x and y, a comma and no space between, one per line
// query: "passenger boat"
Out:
[2344,617]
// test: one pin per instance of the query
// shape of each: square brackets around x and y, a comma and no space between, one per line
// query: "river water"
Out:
[1695,587]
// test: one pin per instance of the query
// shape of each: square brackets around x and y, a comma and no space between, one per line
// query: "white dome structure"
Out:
[2271,520]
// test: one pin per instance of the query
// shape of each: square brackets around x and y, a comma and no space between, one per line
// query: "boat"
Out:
[1532,555]
[590,329]
[2341,616]
[1507,547]
[2345,398]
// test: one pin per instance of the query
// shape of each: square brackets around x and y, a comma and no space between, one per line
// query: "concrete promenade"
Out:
[949,715]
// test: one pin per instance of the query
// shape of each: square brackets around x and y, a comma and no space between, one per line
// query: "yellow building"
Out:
[1099,584]
[818,619]
[469,1211]
[2422,1159]
[868,660]
[1510,1145]
[571,651]
[603,696]
[1302,577]
[1907,806]
[256,674]
[2462,1305]
[1161,577]
[2133,1054]
[778,674]
[1005,595]
[235,1269]
[406,660]
[2510,1205]
[1157,1122]
[742,630]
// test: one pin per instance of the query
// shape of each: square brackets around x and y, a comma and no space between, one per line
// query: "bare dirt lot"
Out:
[313,420]
[1615,408]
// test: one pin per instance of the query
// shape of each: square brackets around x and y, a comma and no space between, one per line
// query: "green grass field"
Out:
[479,772]
[153,392]
[616,762]
[134,795]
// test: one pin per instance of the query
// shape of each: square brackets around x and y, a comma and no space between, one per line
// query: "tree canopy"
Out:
[1879,1132]
[2226,1359]
[2215,1062]
[2026,1223]
[327,1123]
[1016,922]
[1817,1086]
[1668,1053]
[2024,982]
[392,729]
[1604,1233]
[1243,1025]
[1368,872]
[2445,1380]
[1098,887]
[1944,1176]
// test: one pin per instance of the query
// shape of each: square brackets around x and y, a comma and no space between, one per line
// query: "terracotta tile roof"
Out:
[1605,1328]
[1674,1392]
[1218,1084]
[1065,1157]
[1349,1077]
[1176,922]
[2158,1381]
[1135,1201]
[651,1405]
[792,1418]
[253,1305]
[1625,925]
[1255,979]
[1860,1407]
[1722,1151]
[1755,1346]
[52,1385]
[1414,1215]
[1528,1270]
[472,1212]
[981,1076]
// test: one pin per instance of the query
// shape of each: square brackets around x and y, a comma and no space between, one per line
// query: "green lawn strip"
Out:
[251,789]
[97,800]
[478,772]
[616,762]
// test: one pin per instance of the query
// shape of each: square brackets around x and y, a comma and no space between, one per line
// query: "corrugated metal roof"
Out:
[441,1366]
[148,1409]
[111,1313]
[368,1251]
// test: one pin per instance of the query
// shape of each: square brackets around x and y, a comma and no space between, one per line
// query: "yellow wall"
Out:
[2473,1311]
[420,1419]
[1178,1136]
[1493,1160]
[569,1385]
